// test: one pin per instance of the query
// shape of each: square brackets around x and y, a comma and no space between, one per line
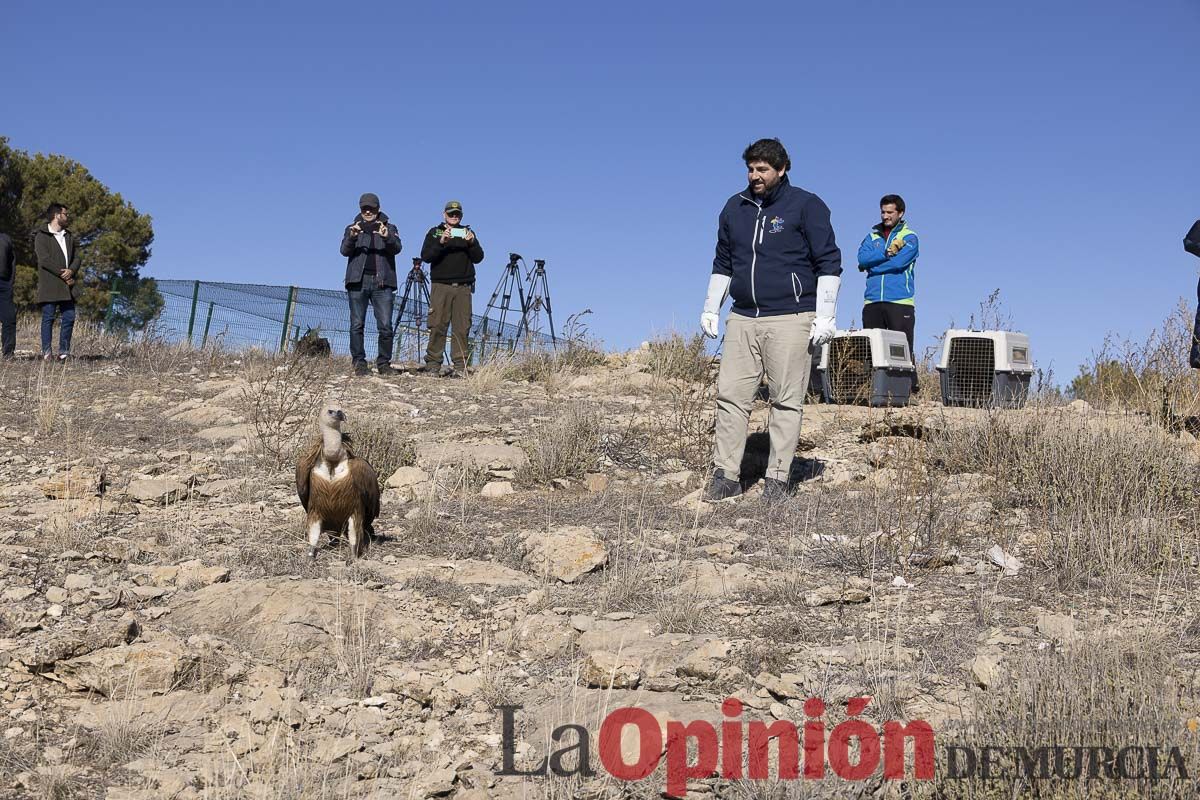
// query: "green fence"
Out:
[240,315]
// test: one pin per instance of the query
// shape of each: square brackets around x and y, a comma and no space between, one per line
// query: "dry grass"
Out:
[356,648]
[1100,691]
[385,445]
[566,447]
[1151,377]
[1115,496]
[675,357]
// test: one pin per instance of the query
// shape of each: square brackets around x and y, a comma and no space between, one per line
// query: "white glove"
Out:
[824,324]
[718,288]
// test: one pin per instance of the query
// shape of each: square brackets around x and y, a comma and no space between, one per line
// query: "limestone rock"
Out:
[157,491]
[565,553]
[407,476]
[74,484]
[143,668]
[497,489]
[604,670]
[489,455]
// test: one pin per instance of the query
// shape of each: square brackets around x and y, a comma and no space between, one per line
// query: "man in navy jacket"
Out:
[1191,243]
[778,260]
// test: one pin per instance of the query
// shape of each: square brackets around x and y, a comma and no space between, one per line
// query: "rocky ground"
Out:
[541,545]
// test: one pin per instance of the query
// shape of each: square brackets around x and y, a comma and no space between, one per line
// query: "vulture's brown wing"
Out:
[366,483]
[304,468]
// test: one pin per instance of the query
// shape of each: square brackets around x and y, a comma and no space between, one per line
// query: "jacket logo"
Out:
[776,225]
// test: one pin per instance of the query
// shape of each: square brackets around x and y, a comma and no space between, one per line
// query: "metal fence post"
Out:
[112,303]
[287,318]
[207,322]
[192,317]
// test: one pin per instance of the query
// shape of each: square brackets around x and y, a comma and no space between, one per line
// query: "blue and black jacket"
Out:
[889,279]
[774,248]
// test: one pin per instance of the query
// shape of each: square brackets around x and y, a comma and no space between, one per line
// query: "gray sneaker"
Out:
[721,488]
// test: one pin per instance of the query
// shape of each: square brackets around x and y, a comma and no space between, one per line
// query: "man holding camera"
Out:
[452,251]
[777,257]
[370,245]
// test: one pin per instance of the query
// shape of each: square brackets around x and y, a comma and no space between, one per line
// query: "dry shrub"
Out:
[356,649]
[1115,495]
[385,445]
[575,353]
[566,447]
[122,735]
[279,402]
[681,435]
[1151,377]
[674,356]
[485,378]
[48,393]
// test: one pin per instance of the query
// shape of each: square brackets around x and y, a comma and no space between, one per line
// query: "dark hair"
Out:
[52,211]
[770,151]
[894,199]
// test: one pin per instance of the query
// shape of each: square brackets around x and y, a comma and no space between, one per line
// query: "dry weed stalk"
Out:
[279,400]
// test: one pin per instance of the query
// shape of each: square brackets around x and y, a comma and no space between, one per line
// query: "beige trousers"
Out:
[777,346]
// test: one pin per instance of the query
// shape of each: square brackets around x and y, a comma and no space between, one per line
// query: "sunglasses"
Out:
[369,210]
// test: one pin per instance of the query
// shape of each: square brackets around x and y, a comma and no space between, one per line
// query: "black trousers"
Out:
[8,322]
[893,317]
[1194,359]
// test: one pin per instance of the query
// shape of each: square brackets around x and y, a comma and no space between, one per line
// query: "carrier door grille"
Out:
[972,370]
[849,371]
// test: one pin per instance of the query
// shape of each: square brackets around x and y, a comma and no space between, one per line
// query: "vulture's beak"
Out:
[341,416]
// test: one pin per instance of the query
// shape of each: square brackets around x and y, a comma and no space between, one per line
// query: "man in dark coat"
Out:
[8,311]
[1191,243]
[58,275]
[370,245]
[452,251]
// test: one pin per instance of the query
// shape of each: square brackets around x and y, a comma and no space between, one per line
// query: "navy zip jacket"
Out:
[775,248]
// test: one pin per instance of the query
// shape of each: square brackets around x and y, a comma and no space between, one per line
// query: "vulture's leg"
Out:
[314,537]
[355,533]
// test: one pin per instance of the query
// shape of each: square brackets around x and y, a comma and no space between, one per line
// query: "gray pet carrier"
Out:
[985,369]
[868,367]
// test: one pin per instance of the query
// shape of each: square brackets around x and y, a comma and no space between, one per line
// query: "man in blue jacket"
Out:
[778,260]
[889,257]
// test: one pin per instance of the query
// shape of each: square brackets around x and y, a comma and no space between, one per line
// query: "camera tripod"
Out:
[539,298]
[501,300]
[416,288]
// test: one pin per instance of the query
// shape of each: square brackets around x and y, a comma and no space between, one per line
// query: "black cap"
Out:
[369,200]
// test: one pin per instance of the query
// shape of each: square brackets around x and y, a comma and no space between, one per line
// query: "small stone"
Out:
[79,580]
[595,482]
[55,611]
[496,489]
[18,594]
[407,476]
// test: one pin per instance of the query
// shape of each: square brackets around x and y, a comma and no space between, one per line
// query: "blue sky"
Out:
[1047,149]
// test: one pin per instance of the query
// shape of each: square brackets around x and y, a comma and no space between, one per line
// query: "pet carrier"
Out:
[985,368]
[868,367]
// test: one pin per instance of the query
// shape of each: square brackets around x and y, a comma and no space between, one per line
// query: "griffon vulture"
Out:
[337,488]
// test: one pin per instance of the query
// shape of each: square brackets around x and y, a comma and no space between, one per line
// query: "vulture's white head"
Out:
[331,417]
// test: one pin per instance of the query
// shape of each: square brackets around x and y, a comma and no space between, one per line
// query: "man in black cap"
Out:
[452,251]
[370,245]
[8,311]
